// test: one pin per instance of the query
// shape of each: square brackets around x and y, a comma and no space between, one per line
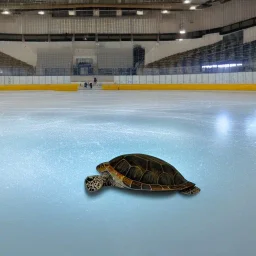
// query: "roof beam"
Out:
[155,6]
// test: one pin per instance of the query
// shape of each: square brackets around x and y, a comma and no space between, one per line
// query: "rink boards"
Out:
[228,87]
[20,83]
[209,81]
[40,87]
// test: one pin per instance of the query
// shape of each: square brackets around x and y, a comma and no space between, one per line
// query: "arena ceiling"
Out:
[172,5]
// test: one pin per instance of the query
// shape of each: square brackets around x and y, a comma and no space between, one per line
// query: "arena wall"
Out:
[42,54]
[173,47]
[153,22]
[107,54]
[250,34]
[19,50]
[115,58]
[221,15]
[54,59]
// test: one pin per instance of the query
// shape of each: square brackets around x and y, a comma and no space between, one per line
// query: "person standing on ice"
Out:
[95,81]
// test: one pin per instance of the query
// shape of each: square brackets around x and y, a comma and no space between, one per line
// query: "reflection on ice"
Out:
[223,123]
[250,126]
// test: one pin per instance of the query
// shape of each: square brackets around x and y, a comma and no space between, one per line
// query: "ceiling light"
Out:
[6,12]
[187,2]
[41,12]
[192,7]
[139,12]
[182,31]
[165,11]
[71,13]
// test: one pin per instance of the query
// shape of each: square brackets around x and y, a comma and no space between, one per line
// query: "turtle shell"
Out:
[144,172]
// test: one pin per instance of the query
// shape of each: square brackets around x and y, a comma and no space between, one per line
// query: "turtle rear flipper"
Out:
[191,191]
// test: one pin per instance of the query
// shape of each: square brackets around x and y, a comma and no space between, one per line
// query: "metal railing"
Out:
[220,68]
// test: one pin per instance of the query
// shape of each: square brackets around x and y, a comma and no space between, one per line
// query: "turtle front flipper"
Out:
[96,182]
[190,191]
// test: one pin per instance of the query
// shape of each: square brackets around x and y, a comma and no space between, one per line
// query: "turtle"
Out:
[140,172]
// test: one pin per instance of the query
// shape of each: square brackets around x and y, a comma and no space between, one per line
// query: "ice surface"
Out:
[50,141]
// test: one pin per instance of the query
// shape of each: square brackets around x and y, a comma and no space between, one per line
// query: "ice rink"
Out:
[50,141]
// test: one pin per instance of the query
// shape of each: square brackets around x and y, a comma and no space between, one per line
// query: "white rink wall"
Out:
[5,80]
[216,78]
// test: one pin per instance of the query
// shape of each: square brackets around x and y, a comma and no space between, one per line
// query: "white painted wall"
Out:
[165,49]
[217,16]
[104,56]
[218,78]
[19,50]
[85,53]
[49,58]
[115,58]
[250,35]
[28,51]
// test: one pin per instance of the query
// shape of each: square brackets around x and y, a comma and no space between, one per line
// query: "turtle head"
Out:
[103,167]
[94,183]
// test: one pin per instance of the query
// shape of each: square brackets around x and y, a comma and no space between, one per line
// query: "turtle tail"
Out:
[191,191]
